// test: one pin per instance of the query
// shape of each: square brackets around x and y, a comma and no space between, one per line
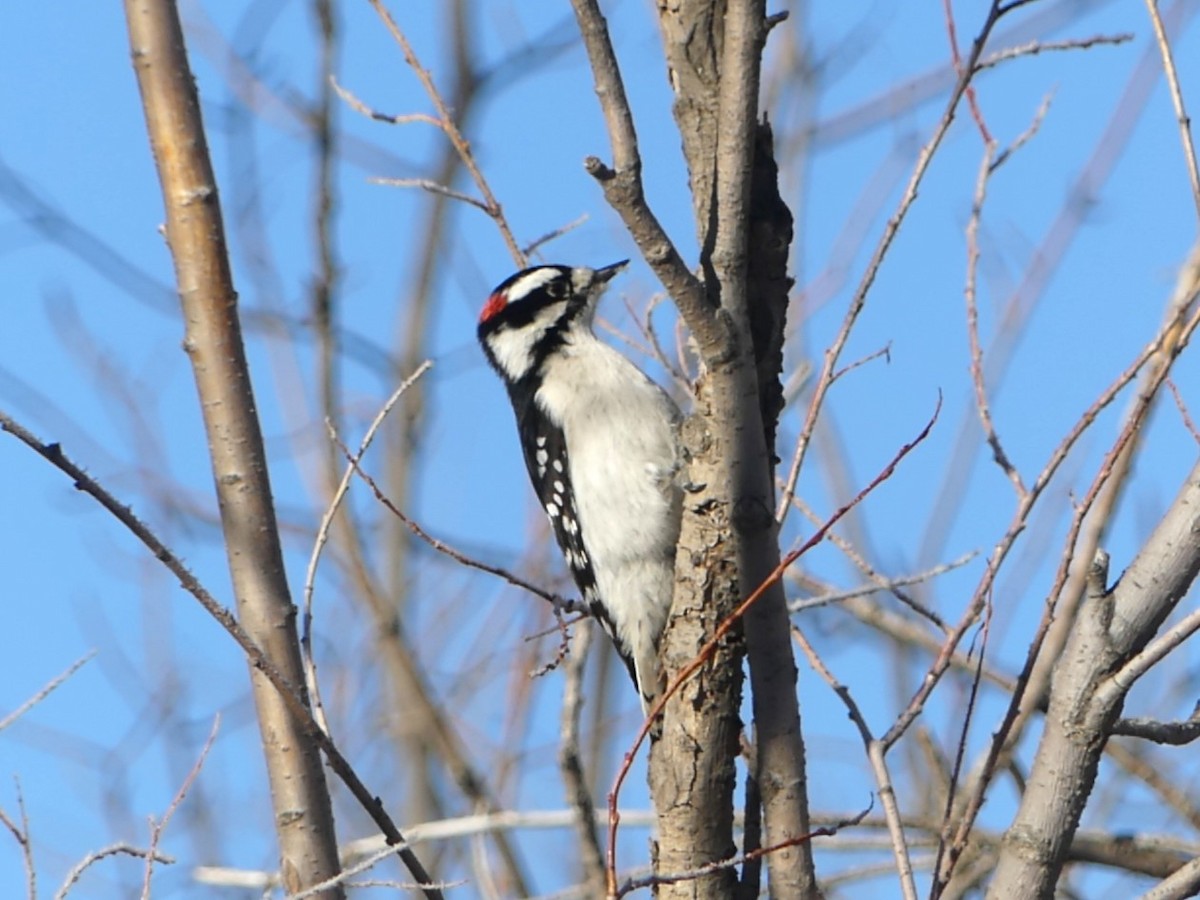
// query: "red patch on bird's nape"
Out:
[494,304]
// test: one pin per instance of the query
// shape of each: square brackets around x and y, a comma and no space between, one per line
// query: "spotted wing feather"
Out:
[545,450]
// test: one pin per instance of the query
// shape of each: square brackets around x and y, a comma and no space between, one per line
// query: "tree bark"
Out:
[213,341]
[714,51]
[1098,667]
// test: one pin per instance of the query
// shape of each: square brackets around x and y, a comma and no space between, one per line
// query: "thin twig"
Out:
[343,878]
[1155,651]
[956,58]
[567,606]
[1033,48]
[433,187]
[738,859]
[20,834]
[157,828]
[537,243]
[969,292]
[883,584]
[296,707]
[960,748]
[858,301]
[861,563]
[564,645]
[876,753]
[1025,136]
[446,122]
[96,855]
[45,691]
[884,353]
[1047,256]
[359,107]
[310,575]
[1188,423]
[1181,116]
[645,325]
[1175,734]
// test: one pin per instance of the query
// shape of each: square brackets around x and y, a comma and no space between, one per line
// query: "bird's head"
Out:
[531,313]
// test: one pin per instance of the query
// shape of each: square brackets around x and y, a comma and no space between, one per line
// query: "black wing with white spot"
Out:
[545,451]
[546,458]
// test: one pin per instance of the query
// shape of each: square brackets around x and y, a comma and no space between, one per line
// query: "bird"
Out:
[601,444]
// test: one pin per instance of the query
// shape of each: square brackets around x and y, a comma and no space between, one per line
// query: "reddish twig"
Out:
[956,58]
[1188,423]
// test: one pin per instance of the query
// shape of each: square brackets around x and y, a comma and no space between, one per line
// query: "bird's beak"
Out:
[603,276]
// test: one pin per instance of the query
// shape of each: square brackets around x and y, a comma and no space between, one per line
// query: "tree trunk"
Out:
[195,234]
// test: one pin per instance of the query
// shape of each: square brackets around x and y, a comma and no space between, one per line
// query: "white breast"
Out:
[620,433]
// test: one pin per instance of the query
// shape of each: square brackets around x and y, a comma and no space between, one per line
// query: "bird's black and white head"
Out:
[536,312]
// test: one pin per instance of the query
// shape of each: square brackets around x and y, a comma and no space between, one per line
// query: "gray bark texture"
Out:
[1105,655]
[729,543]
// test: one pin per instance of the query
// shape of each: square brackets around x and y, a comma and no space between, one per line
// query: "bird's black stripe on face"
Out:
[525,303]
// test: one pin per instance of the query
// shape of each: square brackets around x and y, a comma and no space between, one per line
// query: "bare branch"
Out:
[1181,116]
[446,122]
[1174,733]
[1188,423]
[537,243]
[563,651]
[858,301]
[622,184]
[1084,700]
[48,688]
[876,753]
[1033,48]
[195,234]
[579,795]
[1153,653]
[972,100]
[96,855]
[359,107]
[1182,883]
[883,584]
[434,188]
[977,372]
[567,606]
[20,834]
[258,660]
[310,575]
[157,828]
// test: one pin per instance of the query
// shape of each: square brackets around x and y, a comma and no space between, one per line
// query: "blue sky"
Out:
[90,357]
